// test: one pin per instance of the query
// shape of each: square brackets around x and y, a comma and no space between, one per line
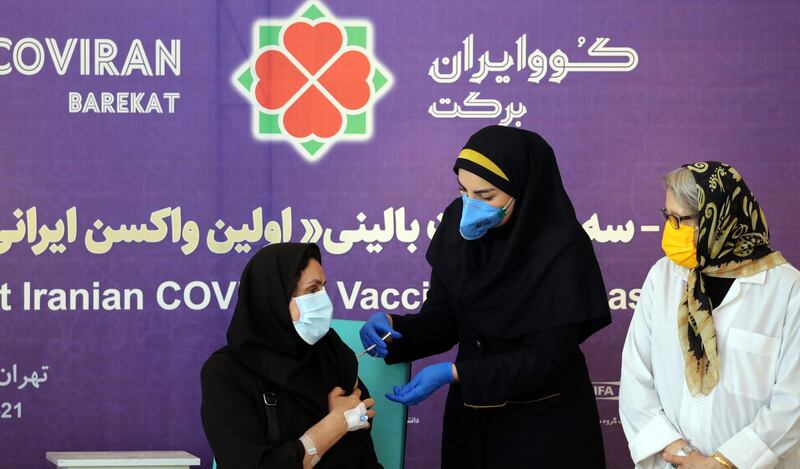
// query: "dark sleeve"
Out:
[233,427]
[369,460]
[498,378]
[431,331]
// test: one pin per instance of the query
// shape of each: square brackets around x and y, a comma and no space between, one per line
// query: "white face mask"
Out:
[316,314]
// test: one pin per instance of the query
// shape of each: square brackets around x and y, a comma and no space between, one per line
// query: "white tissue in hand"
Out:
[356,418]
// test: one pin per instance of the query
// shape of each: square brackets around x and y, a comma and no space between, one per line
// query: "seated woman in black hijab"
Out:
[284,392]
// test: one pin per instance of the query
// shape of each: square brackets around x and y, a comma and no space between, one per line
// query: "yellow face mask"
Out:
[678,245]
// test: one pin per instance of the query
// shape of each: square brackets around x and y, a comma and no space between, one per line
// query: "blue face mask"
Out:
[478,217]
[316,314]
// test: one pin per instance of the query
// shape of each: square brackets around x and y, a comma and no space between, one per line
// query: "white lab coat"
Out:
[752,415]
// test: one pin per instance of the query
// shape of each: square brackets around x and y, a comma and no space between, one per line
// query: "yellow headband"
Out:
[481,160]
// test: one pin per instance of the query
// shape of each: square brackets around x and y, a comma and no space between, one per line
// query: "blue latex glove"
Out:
[372,332]
[424,384]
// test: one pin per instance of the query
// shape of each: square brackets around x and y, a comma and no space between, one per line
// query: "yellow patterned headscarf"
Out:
[732,241]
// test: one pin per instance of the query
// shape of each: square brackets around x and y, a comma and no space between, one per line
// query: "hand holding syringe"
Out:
[372,347]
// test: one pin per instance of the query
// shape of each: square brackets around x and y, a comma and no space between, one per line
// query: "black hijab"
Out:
[538,270]
[263,338]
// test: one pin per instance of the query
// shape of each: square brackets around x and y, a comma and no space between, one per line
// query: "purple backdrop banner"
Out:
[149,148]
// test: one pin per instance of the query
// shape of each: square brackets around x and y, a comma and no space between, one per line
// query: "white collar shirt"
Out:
[752,416]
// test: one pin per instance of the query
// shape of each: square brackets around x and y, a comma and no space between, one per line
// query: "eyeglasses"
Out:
[674,220]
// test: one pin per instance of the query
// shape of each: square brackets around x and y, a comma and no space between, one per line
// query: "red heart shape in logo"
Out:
[312,46]
[346,80]
[279,79]
[314,114]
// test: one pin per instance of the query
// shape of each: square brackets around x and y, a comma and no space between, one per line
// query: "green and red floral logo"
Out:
[312,80]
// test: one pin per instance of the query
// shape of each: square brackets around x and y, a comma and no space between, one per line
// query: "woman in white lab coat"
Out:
[711,363]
